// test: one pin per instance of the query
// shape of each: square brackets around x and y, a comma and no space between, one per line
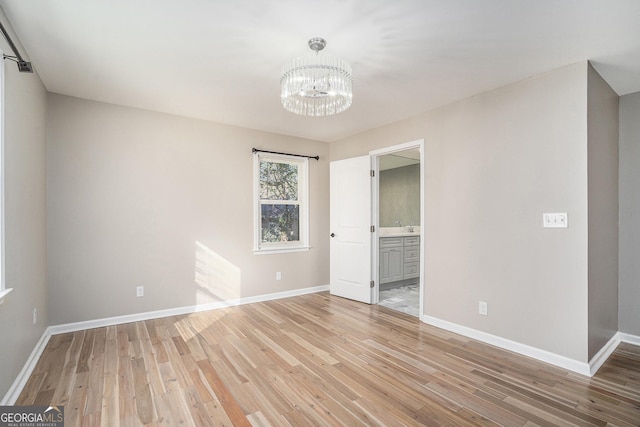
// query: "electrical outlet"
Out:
[35,316]
[482,308]
[278,275]
[140,291]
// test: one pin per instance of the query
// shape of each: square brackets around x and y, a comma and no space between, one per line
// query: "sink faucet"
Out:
[410,228]
[398,223]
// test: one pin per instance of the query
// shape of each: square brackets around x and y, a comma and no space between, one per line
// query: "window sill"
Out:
[280,250]
[4,294]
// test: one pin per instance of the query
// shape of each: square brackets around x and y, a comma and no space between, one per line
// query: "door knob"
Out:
[333,234]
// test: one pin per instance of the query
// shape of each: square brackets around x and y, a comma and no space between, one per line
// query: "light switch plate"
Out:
[555,220]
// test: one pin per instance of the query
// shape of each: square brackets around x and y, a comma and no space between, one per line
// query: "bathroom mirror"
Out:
[399,189]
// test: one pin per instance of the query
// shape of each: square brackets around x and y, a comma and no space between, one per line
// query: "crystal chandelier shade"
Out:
[316,85]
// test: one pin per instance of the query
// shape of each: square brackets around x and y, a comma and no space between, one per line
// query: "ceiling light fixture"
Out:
[316,85]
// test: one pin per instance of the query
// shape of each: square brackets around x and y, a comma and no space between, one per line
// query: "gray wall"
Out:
[603,211]
[25,217]
[399,190]
[493,164]
[138,198]
[629,282]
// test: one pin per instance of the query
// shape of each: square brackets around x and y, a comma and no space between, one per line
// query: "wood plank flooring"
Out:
[316,360]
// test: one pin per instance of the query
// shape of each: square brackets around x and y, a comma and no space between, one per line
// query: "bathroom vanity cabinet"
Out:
[399,258]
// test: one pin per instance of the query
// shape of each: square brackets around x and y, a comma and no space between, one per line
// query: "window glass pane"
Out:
[278,181]
[280,223]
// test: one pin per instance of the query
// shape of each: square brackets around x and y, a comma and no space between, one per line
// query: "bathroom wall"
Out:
[399,192]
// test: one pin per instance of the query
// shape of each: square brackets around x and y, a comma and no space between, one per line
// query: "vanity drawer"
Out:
[412,241]
[412,254]
[390,242]
[411,270]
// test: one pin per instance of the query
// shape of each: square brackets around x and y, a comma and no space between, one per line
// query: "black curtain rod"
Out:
[255,150]
[23,66]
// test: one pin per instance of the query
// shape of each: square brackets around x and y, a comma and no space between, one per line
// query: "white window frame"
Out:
[3,290]
[260,247]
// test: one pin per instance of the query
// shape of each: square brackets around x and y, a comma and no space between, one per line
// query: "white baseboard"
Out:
[526,350]
[587,369]
[16,388]
[22,378]
[629,339]
[117,320]
[601,356]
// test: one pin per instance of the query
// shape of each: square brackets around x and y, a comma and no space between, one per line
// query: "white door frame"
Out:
[376,209]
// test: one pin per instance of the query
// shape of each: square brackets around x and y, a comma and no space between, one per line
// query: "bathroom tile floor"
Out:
[404,298]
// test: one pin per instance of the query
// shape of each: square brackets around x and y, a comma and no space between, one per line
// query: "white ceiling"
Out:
[220,60]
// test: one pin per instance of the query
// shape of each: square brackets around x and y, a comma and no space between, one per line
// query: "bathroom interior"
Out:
[399,231]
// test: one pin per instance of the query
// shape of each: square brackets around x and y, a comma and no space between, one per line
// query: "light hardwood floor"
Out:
[316,360]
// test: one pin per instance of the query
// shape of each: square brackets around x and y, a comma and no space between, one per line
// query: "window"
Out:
[281,203]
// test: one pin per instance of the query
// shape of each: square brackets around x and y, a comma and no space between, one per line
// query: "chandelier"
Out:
[316,85]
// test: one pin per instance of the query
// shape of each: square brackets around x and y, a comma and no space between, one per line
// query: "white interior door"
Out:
[350,212]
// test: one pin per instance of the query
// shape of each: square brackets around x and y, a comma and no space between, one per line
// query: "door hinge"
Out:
[372,283]
[372,173]
[373,228]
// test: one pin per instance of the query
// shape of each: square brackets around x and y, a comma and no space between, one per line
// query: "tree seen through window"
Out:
[279,201]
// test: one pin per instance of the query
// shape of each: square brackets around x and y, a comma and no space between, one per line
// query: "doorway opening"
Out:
[398,214]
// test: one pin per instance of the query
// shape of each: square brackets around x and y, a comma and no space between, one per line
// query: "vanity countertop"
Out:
[398,232]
